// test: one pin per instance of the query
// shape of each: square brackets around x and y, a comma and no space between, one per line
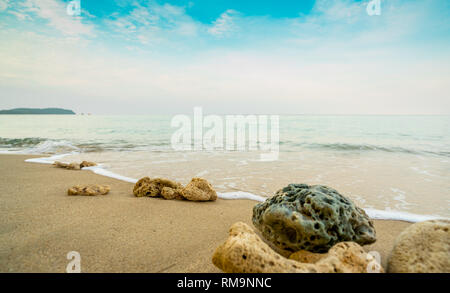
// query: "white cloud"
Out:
[56,14]
[224,24]
[20,15]
[153,23]
[222,81]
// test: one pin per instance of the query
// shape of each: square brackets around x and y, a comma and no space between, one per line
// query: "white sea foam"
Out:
[9,152]
[240,195]
[46,160]
[398,215]
[372,213]
[101,171]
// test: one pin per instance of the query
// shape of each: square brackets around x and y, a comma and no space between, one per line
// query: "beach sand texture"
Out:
[117,232]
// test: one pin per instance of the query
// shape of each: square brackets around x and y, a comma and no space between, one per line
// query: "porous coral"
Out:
[89,190]
[157,187]
[313,218]
[422,248]
[199,190]
[245,252]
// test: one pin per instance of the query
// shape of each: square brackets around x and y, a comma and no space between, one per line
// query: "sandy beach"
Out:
[40,224]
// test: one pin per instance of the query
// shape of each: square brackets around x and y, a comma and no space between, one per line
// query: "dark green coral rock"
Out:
[313,218]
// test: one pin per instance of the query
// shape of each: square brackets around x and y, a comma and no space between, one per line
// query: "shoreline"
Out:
[117,232]
[372,213]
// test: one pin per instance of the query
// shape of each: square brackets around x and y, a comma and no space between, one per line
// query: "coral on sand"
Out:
[157,187]
[74,165]
[171,193]
[422,248]
[343,257]
[87,164]
[197,190]
[245,252]
[70,166]
[89,190]
[313,218]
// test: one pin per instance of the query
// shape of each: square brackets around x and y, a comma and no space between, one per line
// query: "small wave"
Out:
[37,145]
[369,147]
[20,142]
[52,147]
[358,147]
[90,147]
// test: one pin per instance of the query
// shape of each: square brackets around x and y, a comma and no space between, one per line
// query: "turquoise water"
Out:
[389,163]
[426,135]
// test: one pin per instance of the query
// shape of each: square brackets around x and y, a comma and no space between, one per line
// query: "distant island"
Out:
[37,111]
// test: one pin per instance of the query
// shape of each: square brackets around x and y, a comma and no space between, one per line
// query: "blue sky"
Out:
[297,57]
[207,11]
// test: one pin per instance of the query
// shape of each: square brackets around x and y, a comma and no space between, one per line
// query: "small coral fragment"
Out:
[70,166]
[87,164]
[157,187]
[199,190]
[422,248]
[245,252]
[89,190]
[74,165]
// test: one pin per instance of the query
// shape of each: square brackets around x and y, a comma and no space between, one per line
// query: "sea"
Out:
[395,167]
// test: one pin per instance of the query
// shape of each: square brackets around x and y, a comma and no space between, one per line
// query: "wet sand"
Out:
[40,224]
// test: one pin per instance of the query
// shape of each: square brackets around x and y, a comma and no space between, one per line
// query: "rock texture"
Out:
[157,187]
[199,190]
[344,257]
[245,252]
[313,218]
[422,248]
[89,190]
[307,256]
[74,165]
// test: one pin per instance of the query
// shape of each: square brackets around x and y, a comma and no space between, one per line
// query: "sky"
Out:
[229,57]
